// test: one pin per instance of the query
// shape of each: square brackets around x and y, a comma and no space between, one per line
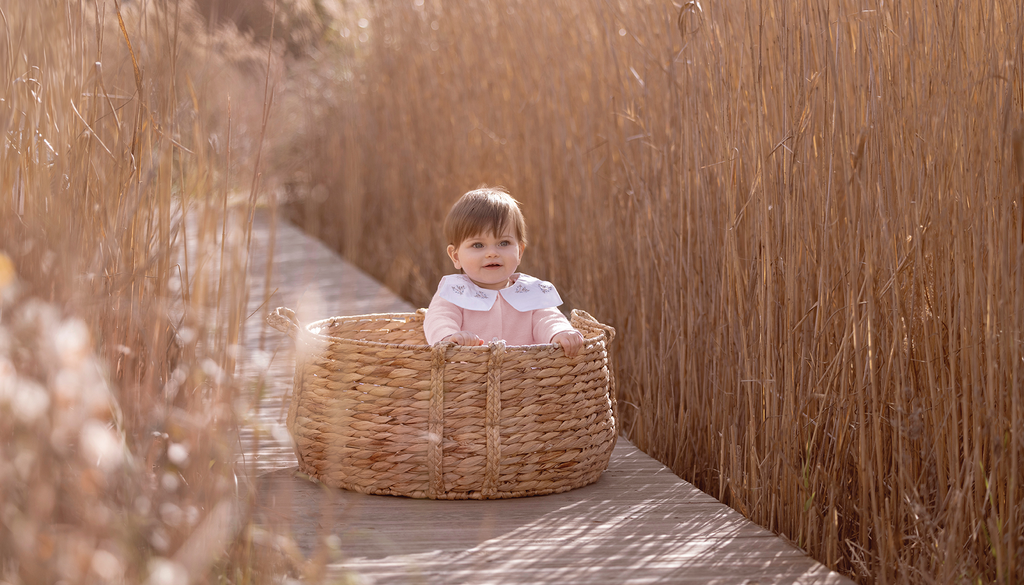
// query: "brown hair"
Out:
[487,208]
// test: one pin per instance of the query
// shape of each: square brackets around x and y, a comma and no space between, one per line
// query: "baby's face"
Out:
[489,259]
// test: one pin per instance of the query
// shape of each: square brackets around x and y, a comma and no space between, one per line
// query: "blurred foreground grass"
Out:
[123,256]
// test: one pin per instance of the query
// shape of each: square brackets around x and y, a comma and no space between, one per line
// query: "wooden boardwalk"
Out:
[638,524]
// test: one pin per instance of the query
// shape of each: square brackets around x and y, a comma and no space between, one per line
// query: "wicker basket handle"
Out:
[579,315]
[283,319]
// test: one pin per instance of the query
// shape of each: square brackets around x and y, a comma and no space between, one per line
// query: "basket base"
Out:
[551,482]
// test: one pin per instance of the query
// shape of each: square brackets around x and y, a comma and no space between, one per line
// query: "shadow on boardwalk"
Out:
[638,524]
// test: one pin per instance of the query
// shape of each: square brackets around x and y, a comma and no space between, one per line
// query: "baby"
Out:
[486,237]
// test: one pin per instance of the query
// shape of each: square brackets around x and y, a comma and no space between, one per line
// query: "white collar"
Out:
[526,293]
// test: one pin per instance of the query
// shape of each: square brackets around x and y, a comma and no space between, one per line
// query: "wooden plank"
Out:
[638,524]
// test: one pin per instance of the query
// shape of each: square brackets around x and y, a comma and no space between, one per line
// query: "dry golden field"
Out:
[804,218]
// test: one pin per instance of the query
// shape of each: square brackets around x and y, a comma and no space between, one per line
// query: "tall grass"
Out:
[803,218]
[123,293]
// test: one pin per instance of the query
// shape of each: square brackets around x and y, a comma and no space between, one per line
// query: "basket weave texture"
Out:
[377,410]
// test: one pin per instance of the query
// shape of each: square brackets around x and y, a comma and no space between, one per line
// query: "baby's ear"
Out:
[453,253]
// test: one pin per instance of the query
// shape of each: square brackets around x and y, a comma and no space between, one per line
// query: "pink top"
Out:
[531,323]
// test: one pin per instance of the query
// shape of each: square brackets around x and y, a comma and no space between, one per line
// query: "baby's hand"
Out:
[465,338]
[570,341]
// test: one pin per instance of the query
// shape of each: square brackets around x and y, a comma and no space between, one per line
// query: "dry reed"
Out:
[123,283]
[803,218]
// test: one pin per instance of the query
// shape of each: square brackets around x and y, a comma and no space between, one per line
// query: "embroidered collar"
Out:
[526,293]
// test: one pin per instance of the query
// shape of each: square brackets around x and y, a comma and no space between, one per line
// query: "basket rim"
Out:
[281,313]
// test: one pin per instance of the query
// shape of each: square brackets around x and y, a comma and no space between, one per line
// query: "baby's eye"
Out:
[505,243]
[477,245]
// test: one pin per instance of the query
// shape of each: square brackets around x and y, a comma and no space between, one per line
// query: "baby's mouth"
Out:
[492,265]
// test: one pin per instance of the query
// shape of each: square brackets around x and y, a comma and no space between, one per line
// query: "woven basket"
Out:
[378,411]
